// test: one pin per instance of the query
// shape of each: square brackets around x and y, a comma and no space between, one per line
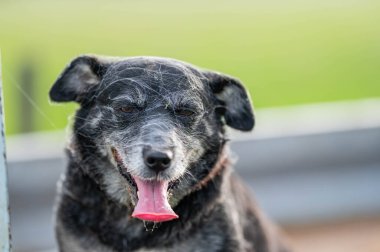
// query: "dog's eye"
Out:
[128,109]
[184,112]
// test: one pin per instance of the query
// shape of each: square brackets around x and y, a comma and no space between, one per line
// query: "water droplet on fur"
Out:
[145,226]
[150,226]
[155,225]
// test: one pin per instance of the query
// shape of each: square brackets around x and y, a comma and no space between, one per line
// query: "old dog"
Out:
[149,168]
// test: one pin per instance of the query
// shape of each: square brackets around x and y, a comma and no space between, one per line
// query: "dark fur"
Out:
[94,213]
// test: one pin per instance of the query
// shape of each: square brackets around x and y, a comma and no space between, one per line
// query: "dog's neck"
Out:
[222,163]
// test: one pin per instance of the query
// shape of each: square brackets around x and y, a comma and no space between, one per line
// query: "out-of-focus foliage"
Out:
[285,51]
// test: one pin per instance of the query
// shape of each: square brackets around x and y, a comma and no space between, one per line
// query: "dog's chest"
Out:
[196,244]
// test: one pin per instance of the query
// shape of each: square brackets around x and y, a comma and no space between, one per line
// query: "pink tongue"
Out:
[153,203]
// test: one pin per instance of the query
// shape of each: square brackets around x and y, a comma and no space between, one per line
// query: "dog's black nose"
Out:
[157,160]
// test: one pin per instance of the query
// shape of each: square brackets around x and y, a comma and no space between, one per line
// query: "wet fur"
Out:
[95,200]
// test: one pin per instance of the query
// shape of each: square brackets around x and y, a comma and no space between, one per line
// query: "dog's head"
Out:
[153,127]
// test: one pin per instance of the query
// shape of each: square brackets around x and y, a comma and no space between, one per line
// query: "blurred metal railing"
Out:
[4,215]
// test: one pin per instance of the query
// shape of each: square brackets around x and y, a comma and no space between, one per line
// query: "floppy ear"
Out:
[232,95]
[83,73]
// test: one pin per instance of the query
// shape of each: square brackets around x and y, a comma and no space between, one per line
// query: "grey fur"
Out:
[128,104]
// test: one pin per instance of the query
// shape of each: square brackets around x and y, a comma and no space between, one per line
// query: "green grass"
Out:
[286,52]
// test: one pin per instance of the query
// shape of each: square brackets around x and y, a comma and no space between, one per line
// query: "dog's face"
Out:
[155,121]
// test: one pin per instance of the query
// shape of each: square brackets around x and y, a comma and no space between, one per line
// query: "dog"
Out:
[148,163]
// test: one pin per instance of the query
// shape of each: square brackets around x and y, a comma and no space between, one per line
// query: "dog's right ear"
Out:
[234,98]
[83,73]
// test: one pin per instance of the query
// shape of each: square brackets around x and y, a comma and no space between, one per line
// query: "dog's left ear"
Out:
[83,73]
[232,95]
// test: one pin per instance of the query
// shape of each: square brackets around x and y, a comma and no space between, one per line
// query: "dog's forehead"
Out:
[153,74]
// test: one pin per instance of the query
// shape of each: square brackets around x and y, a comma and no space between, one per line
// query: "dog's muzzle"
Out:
[152,204]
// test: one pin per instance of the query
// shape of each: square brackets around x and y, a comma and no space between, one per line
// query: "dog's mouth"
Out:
[152,203]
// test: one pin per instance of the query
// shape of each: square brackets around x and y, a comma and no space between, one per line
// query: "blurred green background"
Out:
[286,52]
